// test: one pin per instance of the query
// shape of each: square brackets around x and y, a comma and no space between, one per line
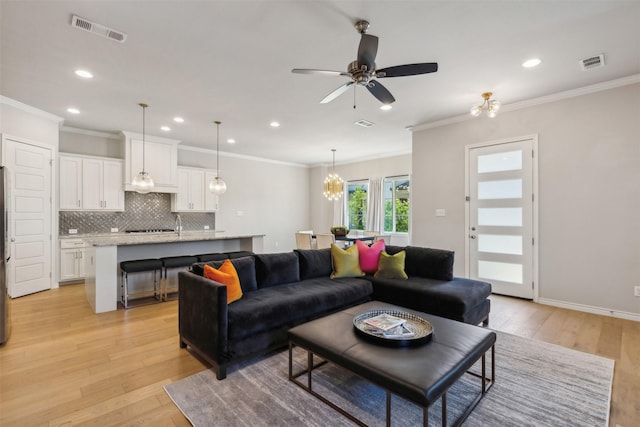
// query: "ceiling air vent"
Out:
[593,62]
[98,29]
[364,123]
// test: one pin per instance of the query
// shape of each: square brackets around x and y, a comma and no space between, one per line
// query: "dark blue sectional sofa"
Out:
[283,290]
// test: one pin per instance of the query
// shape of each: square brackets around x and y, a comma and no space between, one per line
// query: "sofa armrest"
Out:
[202,315]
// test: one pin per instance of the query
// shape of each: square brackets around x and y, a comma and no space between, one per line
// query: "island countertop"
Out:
[153,238]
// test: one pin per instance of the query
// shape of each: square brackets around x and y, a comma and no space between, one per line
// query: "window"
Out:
[396,204]
[357,204]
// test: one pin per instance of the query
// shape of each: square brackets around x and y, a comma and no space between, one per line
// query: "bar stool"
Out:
[174,262]
[212,257]
[140,266]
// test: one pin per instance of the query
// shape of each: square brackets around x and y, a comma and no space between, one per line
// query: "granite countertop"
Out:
[124,239]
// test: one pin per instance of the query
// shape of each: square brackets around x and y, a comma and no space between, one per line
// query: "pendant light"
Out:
[333,187]
[217,185]
[491,106]
[143,183]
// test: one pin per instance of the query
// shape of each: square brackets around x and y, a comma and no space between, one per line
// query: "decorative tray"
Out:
[416,330]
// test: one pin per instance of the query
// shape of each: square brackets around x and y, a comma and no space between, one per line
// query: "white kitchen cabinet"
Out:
[91,183]
[70,182]
[193,191]
[160,161]
[102,185]
[72,253]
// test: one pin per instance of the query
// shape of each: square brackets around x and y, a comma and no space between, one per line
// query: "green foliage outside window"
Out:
[357,208]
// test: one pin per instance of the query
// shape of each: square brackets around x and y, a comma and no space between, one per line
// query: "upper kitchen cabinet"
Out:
[160,161]
[90,183]
[193,191]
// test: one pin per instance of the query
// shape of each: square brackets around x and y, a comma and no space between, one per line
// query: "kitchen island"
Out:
[104,254]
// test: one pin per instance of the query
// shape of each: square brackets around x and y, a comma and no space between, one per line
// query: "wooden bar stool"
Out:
[172,263]
[140,266]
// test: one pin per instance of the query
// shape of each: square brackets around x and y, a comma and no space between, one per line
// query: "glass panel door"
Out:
[501,217]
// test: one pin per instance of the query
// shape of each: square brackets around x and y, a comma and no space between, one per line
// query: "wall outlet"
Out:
[73,231]
[114,229]
[636,291]
[206,227]
[240,213]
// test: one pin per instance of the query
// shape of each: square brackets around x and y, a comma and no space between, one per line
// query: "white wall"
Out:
[262,197]
[589,194]
[322,209]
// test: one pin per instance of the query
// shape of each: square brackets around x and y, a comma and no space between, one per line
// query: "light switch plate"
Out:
[206,227]
[73,231]
[441,212]
[114,229]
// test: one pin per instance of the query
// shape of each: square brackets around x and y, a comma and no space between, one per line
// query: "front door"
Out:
[500,219]
[29,174]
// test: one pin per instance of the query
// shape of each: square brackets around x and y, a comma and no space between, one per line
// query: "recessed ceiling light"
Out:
[231,141]
[165,128]
[73,110]
[84,74]
[386,107]
[530,63]
[274,124]
[178,119]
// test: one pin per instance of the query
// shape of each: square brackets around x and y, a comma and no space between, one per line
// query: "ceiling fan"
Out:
[363,70]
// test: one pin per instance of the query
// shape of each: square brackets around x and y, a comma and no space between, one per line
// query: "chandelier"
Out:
[491,106]
[217,185]
[333,187]
[142,183]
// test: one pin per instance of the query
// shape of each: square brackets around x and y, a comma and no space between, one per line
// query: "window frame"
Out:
[347,213]
[394,180]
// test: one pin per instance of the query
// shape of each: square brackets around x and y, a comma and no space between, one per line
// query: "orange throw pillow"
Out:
[228,276]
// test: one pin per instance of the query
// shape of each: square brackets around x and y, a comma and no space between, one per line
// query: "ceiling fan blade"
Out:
[367,51]
[320,72]
[408,70]
[336,93]
[380,92]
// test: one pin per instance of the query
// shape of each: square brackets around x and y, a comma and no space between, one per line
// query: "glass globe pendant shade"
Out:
[217,186]
[142,183]
[476,110]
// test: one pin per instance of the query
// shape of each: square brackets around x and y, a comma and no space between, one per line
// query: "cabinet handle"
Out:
[78,203]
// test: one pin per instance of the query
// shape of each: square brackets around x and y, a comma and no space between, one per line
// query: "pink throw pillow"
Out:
[369,255]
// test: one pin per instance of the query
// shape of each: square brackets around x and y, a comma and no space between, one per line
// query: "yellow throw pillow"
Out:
[391,266]
[346,263]
[228,276]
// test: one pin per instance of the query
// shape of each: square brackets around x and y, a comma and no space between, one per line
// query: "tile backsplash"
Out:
[141,212]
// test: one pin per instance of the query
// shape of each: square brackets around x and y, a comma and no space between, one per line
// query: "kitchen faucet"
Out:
[179,225]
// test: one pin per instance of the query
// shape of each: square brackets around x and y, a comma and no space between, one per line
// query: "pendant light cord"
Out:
[217,122]
[144,107]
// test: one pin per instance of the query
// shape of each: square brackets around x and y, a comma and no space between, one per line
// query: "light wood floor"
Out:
[64,365]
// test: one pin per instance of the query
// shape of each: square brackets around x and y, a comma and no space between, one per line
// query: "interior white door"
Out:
[501,217]
[29,168]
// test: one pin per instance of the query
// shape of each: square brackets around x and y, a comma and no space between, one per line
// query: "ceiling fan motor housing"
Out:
[360,74]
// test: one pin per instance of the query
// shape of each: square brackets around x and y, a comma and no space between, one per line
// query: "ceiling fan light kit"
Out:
[143,183]
[491,106]
[363,70]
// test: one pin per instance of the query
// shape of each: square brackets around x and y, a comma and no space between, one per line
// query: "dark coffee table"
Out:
[420,374]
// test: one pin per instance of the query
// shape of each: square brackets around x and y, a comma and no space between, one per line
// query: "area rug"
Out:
[537,384]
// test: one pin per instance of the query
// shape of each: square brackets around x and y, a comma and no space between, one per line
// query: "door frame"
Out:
[535,204]
[54,250]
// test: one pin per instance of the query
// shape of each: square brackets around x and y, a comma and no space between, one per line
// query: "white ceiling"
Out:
[232,61]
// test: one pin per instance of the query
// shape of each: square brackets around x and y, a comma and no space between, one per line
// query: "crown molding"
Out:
[585,90]
[88,132]
[239,156]
[29,109]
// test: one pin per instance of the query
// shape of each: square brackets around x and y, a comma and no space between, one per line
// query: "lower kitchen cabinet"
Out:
[72,253]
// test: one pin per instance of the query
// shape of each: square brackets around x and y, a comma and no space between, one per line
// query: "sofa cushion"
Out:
[276,269]
[346,263]
[391,266]
[288,304]
[245,266]
[314,263]
[369,255]
[228,276]
[393,249]
[430,263]
[446,298]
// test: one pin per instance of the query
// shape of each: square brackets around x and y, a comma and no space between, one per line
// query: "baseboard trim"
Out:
[591,309]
